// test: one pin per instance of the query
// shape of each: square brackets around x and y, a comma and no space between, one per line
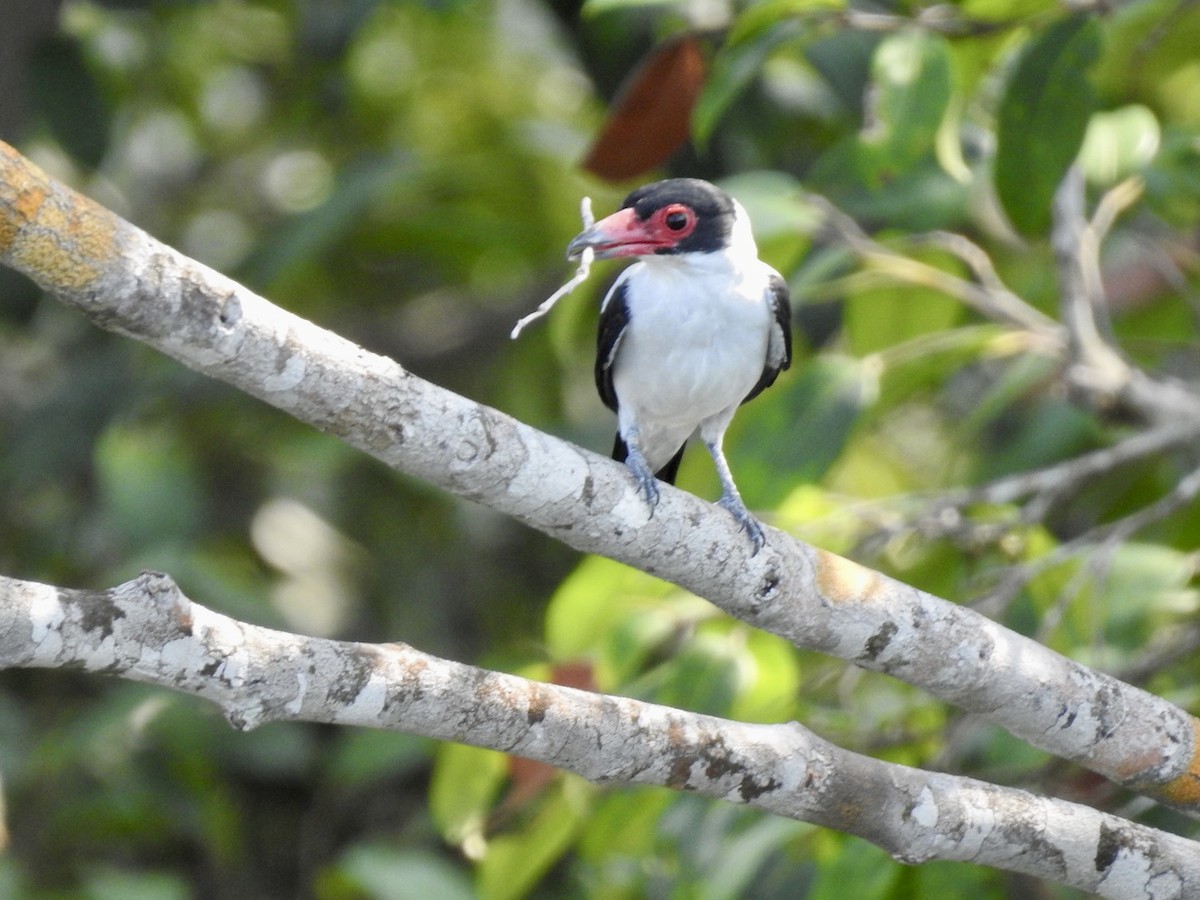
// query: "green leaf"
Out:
[910,84]
[776,202]
[911,77]
[771,14]
[1119,143]
[594,601]
[625,823]
[730,874]
[877,318]
[770,678]
[926,364]
[363,756]
[515,861]
[383,872]
[857,869]
[1006,10]
[463,789]
[869,468]
[1019,380]
[1144,586]
[596,7]
[638,641]
[1043,118]
[703,676]
[919,198]
[735,66]
[1150,56]
[952,879]
[110,883]
[150,484]
[805,420]
[1173,184]
[1037,433]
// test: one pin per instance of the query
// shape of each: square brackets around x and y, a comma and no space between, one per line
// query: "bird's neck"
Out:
[729,263]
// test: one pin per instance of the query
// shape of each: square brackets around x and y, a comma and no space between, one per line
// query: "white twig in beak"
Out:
[580,276]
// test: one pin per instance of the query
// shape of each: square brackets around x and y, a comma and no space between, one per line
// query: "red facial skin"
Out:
[624,234]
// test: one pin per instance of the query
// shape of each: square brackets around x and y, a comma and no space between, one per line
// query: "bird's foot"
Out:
[647,484]
[753,528]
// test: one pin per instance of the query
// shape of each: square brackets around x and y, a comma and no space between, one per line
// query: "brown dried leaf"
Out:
[651,116]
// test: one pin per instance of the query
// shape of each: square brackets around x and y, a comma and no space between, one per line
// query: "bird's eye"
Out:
[677,221]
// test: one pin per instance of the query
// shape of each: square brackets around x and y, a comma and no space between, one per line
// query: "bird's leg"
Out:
[731,499]
[635,460]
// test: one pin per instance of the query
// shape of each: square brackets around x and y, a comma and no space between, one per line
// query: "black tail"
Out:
[667,473]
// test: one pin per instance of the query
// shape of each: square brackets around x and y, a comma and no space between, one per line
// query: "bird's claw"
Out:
[749,524]
[647,484]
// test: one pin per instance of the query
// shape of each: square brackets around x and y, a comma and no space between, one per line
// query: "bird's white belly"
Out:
[687,358]
[681,380]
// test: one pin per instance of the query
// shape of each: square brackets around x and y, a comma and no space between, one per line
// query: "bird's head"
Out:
[673,217]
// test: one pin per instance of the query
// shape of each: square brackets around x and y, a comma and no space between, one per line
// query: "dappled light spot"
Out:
[840,579]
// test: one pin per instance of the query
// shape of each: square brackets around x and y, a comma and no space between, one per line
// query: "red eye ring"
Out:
[678,219]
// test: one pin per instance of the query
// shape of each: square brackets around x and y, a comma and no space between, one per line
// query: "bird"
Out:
[694,328]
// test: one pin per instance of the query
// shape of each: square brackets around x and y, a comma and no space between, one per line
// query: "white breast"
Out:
[694,347]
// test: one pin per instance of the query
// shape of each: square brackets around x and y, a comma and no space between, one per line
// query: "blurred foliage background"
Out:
[408,174]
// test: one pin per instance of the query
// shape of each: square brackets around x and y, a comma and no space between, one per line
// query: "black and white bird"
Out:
[698,326]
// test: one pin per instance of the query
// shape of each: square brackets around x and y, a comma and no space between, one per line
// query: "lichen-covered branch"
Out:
[124,280]
[147,630]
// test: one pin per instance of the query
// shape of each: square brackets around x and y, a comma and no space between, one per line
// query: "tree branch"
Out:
[1100,374]
[147,630]
[1096,367]
[944,514]
[1073,473]
[124,280]
[987,296]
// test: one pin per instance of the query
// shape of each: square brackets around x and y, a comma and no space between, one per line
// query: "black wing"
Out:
[614,316]
[779,344]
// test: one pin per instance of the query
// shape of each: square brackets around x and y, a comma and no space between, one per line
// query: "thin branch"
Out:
[1096,367]
[1072,473]
[1170,263]
[1167,647]
[1117,532]
[940,18]
[945,514]
[124,280]
[1001,303]
[989,297]
[1103,377]
[1115,201]
[1102,541]
[147,630]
